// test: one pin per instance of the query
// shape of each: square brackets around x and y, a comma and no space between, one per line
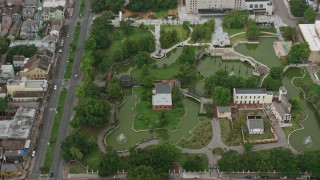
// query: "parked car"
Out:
[33,153]
[55,87]
[68,35]
[265,177]
[60,50]
[247,177]
[283,177]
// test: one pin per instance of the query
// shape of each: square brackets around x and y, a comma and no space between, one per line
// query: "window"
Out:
[261,6]
[256,6]
[251,5]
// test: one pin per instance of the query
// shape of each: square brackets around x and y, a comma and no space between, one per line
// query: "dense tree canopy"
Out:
[188,55]
[109,164]
[3,104]
[272,84]
[297,52]
[310,15]
[141,59]
[168,38]
[193,164]
[93,112]
[280,159]
[288,32]
[102,5]
[101,29]
[145,173]
[156,5]
[4,44]
[78,141]
[221,96]
[235,19]
[203,31]
[276,72]
[186,72]
[114,89]
[25,50]
[253,31]
[298,7]
[88,89]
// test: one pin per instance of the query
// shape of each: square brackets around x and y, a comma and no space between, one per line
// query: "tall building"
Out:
[219,6]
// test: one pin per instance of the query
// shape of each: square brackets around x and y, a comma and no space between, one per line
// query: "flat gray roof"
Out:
[222,109]
[255,122]
[250,91]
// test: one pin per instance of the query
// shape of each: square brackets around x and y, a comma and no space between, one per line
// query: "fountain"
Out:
[121,139]
[308,142]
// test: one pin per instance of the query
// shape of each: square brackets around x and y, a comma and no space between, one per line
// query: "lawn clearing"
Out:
[201,135]
[146,118]
[76,169]
[92,159]
[181,31]
[298,115]
[233,30]
[228,136]
[238,38]
[161,14]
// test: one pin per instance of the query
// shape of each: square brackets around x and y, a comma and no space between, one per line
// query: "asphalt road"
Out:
[50,107]
[58,162]
[282,11]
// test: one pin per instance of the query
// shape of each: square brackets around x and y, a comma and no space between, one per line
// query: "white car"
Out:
[33,153]
[60,50]
[55,87]
[68,35]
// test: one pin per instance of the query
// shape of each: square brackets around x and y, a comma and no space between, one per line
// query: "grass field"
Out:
[203,160]
[228,136]
[233,30]
[82,8]
[54,133]
[72,53]
[297,116]
[76,169]
[237,38]
[161,14]
[147,118]
[181,31]
[201,135]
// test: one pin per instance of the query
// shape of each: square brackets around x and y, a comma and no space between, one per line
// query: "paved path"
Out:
[158,53]
[283,11]
[219,37]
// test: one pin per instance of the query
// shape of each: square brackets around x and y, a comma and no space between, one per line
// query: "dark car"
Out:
[51,175]
[265,177]
[247,177]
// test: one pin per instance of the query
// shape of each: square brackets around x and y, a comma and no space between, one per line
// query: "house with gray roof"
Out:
[30,3]
[252,96]
[161,96]
[3,3]
[28,13]
[255,125]
[224,112]
[10,170]
[30,28]
[15,156]
[281,109]
[16,12]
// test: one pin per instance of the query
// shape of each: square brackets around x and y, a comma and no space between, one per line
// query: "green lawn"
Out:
[201,135]
[74,44]
[182,32]
[92,159]
[233,30]
[82,8]
[297,116]
[237,38]
[318,74]
[307,85]
[203,158]
[272,30]
[118,36]
[161,14]
[228,136]
[158,73]
[146,118]
[76,169]
[54,133]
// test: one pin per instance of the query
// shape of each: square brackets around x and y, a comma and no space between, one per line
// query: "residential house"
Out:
[161,96]
[37,67]
[55,30]
[28,13]
[15,156]
[14,2]
[3,3]
[17,144]
[18,61]
[55,8]
[255,125]
[25,85]
[54,3]
[30,28]
[281,109]
[27,96]
[252,96]
[30,3]
[224,112]
[56,12]
[38,14]
[6,21]
[16,13]
[45,14]
[15,30]
[7,72]
[10,170]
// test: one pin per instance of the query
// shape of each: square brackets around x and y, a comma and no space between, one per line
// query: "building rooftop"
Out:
[54,3]
[18,58]
[311,36]
[36,84]
[222,109]
[282,110]
[161,99]
[12,167]
[163,88]
[29,94]
[15,152]
[13,144]
[250,91]
[19,127]
[255,122]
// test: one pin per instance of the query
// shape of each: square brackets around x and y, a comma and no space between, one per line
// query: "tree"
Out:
[144,5]
[310,15]
[144,71]
[125,25]
[144,173]
[188,55]
[162,120]
[298,7]
[186,72]
[168,38]
[276,72]
[93,112]
[221,96]
[295,102]
[288,32]
[87,89]
[76,153]
[235,19]
[297,52]
[114,89]
[203,31]
[90,44]
[271,84]
[193,163]
[248,147]
[78,141]
[141,59]
[252,82]
[4,44]
[253,31]
[220,78]
[186,25]
[3,104]
[24,50]
[109,164]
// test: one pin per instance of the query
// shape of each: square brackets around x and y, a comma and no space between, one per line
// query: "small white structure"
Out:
[311,34]
[7,72]
[55,30]
[252,96]
[224,112]
[260,6]
[255,125]
[161,97]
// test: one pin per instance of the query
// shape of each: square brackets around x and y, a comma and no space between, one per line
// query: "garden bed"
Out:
[229,136]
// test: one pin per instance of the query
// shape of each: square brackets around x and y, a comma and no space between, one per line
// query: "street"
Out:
[282,11]
[49,111]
